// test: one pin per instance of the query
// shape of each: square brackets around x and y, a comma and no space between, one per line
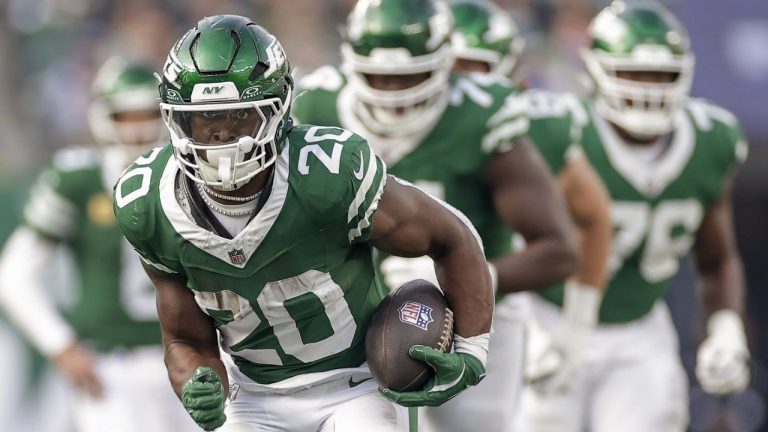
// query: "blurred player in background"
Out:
[486,41]
[668,162]
[265,231]
[108,342]
[458,137]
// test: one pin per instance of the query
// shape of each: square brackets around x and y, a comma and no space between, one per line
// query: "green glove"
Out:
[203,397]
[454,373]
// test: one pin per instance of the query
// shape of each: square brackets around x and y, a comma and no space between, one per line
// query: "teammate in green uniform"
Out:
[458,137]
[668,163]
[486,41]
[265,231]
[108,342]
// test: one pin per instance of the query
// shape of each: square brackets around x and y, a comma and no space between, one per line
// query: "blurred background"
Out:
[49,50]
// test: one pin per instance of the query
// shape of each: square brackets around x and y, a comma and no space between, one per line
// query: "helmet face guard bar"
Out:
[250,147]
[644,109]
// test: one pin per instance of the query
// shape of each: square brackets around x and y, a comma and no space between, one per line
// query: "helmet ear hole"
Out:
[258,70]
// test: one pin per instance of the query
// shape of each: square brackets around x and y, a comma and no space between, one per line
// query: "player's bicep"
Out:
[518,178]
[587,199]
[410,223]
[181,320]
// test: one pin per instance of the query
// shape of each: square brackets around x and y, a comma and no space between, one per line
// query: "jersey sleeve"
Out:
[555,127]
[316,97]
[136,207]
[339,178]
[722,133]
[508,124]
[366,184]
[53,209]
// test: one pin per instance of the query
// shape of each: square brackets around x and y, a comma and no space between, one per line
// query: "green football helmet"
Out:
[124,115]
[639,36]
[485,33]
[399,37]
[226,94]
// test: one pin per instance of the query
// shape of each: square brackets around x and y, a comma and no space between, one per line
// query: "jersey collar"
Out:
[650,179]
[238,250]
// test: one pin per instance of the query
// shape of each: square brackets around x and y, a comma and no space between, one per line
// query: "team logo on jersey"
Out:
[236,256]
[416,314]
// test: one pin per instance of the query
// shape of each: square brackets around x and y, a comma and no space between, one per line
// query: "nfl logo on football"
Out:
[416,314]
[236,256]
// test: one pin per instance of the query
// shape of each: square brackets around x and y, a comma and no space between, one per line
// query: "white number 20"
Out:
[271,301]
[637,221]
[141,170]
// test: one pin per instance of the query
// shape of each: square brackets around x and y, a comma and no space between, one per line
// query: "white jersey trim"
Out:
[249,239]
[650,179]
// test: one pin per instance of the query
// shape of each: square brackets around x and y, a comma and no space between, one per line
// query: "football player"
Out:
[265,232]
[485,40]
[108,342]
[456,136]
[668,162]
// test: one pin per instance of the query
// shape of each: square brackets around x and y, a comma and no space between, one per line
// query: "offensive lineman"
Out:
[457,137]
[668,162]
[486,41]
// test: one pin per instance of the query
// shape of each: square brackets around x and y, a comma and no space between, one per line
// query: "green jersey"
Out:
[658,203]
[555,120]
[293,292]
[70,204]
[484,115]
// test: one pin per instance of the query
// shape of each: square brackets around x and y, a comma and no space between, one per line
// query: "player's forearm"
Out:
[594,244]
[463,275]
[589,206]
[543,263]
[182,359]
[723,285]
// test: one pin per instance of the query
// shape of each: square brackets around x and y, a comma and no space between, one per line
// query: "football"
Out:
[414,314]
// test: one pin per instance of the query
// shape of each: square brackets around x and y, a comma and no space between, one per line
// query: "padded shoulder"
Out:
[337,176]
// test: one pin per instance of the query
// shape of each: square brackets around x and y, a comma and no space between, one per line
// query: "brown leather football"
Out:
[414,314]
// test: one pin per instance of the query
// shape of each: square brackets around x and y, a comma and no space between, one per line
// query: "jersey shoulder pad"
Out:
[337,176]
[137,195]
[556,120]
[718,129]
[58,197]
[74,171]
[545,104]
[475,91]
[492,105]
[316,96]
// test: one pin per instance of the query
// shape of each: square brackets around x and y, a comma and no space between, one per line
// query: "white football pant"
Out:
[633,381]
[340,405]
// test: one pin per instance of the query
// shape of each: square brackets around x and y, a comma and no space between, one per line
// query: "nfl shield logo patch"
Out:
[416,314]
[236,256]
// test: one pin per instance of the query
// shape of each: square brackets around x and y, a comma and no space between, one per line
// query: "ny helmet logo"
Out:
[213,89]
